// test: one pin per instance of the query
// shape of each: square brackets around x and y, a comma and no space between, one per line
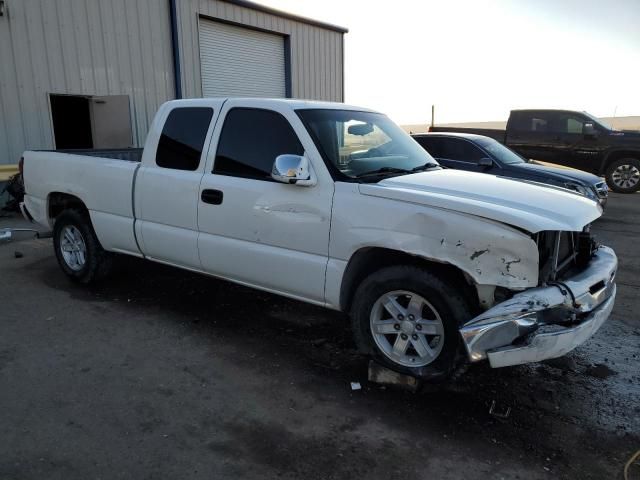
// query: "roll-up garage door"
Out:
[240,62]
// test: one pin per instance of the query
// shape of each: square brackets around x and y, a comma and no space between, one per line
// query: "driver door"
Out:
[254,230]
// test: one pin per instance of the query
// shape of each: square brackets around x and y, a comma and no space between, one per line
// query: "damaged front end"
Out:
[576,295]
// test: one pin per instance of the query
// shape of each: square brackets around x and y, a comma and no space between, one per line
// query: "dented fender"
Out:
[491,253]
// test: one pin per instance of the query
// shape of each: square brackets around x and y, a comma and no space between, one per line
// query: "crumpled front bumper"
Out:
[545,322]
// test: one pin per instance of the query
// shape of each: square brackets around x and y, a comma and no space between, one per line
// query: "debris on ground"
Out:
[500,411]
[630,462]
[318,342]
[15,189]
[601,371]
[384,376]
[356,386]
[18,254]
[566,364]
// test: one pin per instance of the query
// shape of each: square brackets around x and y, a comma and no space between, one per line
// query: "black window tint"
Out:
[250,141]
[461,150]
[431,145]
[567,123]
[531,122]
[182,139]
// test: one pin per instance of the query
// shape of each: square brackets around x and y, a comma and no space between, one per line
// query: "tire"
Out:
[623,175]
[77,248]
[444,306]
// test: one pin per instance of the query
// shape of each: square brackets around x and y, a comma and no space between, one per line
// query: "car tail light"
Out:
[21,166]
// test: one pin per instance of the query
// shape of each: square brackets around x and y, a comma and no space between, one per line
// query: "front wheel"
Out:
[78,249]
[407,318]
[623,175]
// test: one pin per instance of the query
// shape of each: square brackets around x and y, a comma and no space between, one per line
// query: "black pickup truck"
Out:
[573,139]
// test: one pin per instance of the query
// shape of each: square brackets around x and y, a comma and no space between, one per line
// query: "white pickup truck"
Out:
[337,206]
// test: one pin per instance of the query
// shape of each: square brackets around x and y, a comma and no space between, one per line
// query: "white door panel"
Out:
[271,268]
[167,202]
[266,233]
[175,245]
[166,197]
[263,233]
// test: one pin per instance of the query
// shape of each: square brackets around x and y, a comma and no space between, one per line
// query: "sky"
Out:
[477,60]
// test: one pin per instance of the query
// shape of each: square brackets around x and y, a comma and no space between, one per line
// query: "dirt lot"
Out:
[163,374]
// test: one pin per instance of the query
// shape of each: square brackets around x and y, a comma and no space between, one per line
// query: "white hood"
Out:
[528,206]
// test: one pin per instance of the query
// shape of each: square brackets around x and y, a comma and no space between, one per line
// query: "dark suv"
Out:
[465,151]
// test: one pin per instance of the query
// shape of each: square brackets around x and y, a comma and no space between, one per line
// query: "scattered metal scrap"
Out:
[499,412]
[6,234]
[384,376]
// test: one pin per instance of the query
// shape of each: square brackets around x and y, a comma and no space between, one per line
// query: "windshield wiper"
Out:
[382,170]
[426,166]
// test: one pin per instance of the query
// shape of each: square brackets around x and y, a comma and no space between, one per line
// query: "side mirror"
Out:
[588,130]
[485,162]
[292,169]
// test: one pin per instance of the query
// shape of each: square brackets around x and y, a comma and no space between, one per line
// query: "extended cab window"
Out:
[460,150]
[182,139]
[250,141]
[528,122]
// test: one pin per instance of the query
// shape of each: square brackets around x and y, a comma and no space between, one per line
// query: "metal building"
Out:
[91,73]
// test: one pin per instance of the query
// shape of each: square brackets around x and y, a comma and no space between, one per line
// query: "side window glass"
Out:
[461,150]
[250,141]
[539,125]
[531,122]
[182,139]
[431,145]
[571,125]
[472,153]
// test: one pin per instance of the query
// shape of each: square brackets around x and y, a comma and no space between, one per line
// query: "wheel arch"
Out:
[368,260]
[617,154]
[58,202]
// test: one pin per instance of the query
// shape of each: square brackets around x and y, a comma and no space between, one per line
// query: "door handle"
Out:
[214,197]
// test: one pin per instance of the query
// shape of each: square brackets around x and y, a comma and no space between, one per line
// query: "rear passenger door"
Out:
[532,135]
[167,184]
[255,230]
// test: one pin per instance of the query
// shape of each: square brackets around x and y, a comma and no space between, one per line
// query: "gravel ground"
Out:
[159,373]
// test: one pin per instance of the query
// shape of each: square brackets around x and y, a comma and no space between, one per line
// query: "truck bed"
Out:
[126,154]
[102,179]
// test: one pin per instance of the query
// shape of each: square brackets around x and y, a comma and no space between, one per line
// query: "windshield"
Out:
[604,125]
[364,144]
[500,152]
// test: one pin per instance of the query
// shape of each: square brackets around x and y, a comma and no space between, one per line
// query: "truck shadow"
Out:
[556,401]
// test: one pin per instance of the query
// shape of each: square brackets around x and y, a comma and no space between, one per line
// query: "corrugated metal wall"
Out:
[123,47]
[316,53]
[81,47]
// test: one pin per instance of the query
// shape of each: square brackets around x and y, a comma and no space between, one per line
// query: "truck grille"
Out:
[561,251]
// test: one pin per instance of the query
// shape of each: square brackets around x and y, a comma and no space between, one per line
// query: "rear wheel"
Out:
[78,249]
[623,175]
[407,319]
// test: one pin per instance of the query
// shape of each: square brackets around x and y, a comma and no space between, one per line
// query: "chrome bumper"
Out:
[545,322]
